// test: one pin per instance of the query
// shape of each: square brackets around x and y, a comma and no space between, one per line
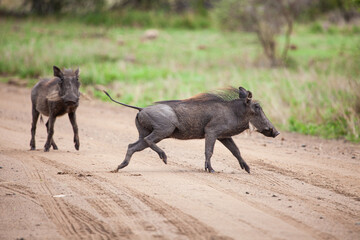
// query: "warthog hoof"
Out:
[122,165]
[47,146]
[77,144]
[243,165]
[208,168]
[163,156]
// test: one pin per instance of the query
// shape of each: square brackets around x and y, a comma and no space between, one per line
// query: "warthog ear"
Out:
[243,93]
[57,72]
[249,94]
[77,72]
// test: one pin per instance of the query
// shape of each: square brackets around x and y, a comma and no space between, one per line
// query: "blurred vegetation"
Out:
[145,51]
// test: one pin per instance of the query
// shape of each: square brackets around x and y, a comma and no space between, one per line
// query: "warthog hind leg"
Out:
[155,137]
[35,115]
[137,146]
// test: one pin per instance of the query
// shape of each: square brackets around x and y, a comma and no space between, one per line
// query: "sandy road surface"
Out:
[299,187]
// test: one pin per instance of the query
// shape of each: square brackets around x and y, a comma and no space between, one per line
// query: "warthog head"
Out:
[68,85]
[257,116]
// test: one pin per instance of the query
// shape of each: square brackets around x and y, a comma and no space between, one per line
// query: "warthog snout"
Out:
[70,99]
[270,132]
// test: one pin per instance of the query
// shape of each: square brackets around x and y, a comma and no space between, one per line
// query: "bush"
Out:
[316,27]
[147,19]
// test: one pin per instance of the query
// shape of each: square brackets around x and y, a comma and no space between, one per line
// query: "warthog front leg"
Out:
[209,149]
[35,115]
[72,117]
[155,137]
[52,139]
[230,144]
[50,128]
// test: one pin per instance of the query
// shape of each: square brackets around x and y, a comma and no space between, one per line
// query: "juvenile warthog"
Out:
[213,116]
[55,97]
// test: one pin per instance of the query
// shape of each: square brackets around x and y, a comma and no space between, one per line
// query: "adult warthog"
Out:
[213,116]
[55,97]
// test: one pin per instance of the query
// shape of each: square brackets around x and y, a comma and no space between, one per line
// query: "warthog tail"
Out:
[122,103]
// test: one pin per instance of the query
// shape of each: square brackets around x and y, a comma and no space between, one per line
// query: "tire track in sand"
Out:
[71,221]
[275,182]
[185,225]
[24,191]
[140,211]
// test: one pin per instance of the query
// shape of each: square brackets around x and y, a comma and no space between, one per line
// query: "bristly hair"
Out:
[225,94]
[68,71]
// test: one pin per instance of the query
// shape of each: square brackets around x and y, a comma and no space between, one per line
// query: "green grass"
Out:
[318,94]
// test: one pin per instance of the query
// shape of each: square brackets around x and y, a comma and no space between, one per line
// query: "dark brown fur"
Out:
[55,97]
[213,116]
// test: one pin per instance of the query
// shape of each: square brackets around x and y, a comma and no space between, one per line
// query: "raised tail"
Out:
[122,103]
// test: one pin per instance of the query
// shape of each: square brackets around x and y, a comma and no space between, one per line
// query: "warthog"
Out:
[55,97]
[213,116]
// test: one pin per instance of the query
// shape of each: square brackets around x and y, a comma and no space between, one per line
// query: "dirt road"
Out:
[299,187]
